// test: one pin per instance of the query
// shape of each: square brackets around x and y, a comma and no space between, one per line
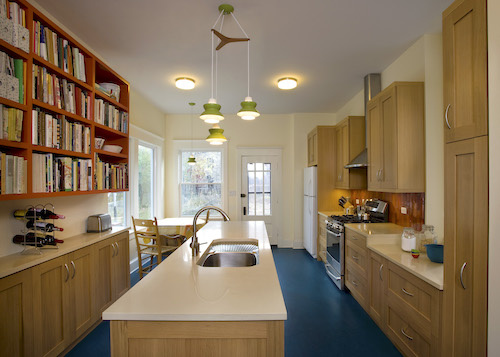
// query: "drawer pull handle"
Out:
[354,283]
[462,275]
[406,292]
[380,272]
[354,238]
[74,269]
[406,335]
[446,116]
[67,272]
[355,257]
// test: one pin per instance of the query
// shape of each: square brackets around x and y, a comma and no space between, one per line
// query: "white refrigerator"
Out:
[310,210]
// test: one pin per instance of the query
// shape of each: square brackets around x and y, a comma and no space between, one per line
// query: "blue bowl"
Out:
[435,252]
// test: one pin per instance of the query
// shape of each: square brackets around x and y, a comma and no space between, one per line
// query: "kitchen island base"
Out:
[197,338]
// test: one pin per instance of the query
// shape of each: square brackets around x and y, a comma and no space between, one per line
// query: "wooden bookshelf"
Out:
[95,72]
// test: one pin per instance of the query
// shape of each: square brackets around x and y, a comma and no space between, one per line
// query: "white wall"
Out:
[284,131]
[494,202]
[420,62]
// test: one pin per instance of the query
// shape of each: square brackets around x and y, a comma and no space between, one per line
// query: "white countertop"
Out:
[14,263]
[385,240]
[180,290]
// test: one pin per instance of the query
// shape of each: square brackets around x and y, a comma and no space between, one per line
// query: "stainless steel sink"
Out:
[223,253]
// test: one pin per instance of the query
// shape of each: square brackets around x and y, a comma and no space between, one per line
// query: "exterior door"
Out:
[259,182]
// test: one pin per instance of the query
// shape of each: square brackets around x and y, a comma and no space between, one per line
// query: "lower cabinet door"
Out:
[103,287]
[377,295]
[16,311]
[51,296]
[81,290]
[120,271]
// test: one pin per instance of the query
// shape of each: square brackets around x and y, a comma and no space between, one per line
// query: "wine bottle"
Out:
[46,226]
[40,240]
[38,213]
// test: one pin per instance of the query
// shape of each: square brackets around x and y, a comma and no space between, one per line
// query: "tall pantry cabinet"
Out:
[466,179]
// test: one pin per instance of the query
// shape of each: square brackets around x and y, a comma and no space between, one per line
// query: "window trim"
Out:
[154,177]
[200,145]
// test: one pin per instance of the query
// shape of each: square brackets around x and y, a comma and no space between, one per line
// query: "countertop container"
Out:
[435,252]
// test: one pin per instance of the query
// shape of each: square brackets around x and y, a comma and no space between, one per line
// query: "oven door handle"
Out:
[331,274]
[334,234]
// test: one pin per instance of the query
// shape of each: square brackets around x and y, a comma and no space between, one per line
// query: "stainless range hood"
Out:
[372,88]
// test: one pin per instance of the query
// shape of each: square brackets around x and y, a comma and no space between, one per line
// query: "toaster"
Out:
[98,223]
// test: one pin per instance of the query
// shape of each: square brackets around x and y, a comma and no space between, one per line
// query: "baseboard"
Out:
[134,265]
[298,245]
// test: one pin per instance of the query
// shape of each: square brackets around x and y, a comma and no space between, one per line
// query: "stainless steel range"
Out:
[335,253]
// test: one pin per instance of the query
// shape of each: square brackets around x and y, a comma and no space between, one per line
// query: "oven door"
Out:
[335,257]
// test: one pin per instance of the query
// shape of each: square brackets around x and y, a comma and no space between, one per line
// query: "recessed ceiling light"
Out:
[287,83]
[184,83]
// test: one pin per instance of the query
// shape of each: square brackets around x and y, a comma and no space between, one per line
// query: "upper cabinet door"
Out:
[312,148]
[389,167]
[374,144]
[465,70]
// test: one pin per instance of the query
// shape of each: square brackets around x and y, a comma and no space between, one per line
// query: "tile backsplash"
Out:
[414,203]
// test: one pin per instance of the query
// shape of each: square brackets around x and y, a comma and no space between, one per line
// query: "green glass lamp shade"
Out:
[248,111]
[212,114]
[216,136]
[191,160]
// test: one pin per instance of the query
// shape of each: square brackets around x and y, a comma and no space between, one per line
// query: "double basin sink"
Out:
[230,253]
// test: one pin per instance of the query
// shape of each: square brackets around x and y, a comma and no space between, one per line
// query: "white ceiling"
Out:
[329,45]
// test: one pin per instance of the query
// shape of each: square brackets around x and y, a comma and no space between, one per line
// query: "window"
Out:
[117,208]
[146,181]
[259,188]
[200,184]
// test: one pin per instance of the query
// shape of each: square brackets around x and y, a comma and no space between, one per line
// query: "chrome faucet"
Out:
[195,246]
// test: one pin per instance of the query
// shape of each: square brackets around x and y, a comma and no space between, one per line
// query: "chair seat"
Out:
[154,251]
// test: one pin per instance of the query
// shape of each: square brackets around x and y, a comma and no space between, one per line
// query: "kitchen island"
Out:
[183,309]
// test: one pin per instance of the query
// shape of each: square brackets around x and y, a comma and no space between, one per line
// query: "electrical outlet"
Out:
[357,201]
[404,210]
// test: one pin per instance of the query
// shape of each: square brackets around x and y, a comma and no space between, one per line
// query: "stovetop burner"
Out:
[347,218]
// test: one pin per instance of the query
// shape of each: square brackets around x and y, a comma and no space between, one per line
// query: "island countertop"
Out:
[180,290]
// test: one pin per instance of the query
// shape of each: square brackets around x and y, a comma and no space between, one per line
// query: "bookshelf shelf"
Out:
[86,66]
[56,110]
[45,149]
[101,95]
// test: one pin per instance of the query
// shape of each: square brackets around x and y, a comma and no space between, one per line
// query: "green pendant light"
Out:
[191,160]
[248,111]
[216,136]
[212,114]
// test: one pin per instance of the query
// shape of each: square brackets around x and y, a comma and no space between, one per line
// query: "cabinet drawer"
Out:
[356,257]
[410,291]
[356,284]
[356,238]
[403,334]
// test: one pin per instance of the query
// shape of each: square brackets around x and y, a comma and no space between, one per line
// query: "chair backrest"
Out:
[146,233]
[208,216]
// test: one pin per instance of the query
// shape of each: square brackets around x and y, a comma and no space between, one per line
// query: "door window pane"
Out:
[259,189]
[146,176]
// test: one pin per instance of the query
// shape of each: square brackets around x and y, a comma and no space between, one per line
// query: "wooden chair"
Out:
[150,242]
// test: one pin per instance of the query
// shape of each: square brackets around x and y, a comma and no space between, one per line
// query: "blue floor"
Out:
[322,320]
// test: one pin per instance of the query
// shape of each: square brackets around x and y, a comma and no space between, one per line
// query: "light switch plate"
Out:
[404,210]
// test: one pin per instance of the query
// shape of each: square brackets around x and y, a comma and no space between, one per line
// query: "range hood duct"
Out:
[372,88]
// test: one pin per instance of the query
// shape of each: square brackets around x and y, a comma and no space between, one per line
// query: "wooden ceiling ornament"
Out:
[224,40]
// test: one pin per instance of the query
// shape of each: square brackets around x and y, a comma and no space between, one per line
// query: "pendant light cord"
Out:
[248,54]
[212,56]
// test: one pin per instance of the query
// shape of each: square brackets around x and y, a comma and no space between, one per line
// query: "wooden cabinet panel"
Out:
[103,292]
[466,247]
[465,70]
[402,333]
[357,285]
[81,290]
[340,150]
[321,238]
[376,289]
[16,311]
[120,268]
[356,257]
[350,142]
[312,148]
[355,238]
[396,139]
[51,306]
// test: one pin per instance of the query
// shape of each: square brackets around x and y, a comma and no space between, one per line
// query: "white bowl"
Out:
[113,148]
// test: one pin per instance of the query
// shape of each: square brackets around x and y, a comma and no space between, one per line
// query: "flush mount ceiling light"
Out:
[212,114]
[287,83]
[184,83]
[216,136]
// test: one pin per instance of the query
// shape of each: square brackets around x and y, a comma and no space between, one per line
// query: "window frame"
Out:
[203,146]
[154,198]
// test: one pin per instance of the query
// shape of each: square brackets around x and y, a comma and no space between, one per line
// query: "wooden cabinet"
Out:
[356,260]
[112,273]
[350,142]
[312,148]
[321,152]
[377,303]
[16,311]
[413,315]
[465,70]
[466,247]
[321,238]
[396,139]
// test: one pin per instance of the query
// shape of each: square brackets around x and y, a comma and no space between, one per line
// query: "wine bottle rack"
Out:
[33,248]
